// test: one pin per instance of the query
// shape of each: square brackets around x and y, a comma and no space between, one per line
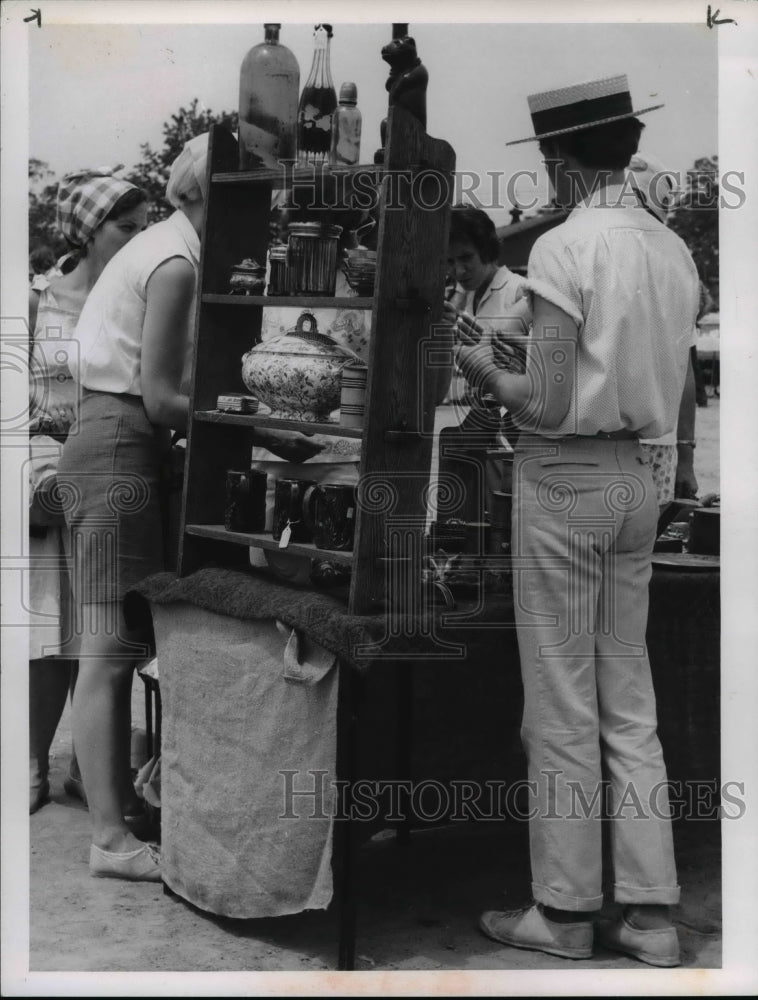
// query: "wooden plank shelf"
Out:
[287,176]
[218,533]
[264,420]
[396,440]
[294,301]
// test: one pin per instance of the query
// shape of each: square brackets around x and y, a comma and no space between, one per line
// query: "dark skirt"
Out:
[109,479]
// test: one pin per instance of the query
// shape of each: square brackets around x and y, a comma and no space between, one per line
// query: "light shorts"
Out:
[109,475]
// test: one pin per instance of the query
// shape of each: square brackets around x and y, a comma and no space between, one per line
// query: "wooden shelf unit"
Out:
[400,396]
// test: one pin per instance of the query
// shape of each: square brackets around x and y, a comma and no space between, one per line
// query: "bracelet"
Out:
[692,444]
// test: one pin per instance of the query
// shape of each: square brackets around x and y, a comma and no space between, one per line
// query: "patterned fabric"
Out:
[632,288]
[661,458]
[85,199]
[51,348]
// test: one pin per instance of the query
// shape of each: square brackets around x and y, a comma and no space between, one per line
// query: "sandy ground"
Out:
[418,904]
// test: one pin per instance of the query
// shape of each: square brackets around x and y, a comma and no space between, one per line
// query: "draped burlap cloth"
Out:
[244,706]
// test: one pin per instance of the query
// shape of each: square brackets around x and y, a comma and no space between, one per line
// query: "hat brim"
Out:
[583,128]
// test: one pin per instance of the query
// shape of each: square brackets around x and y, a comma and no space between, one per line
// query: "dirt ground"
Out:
[418,904]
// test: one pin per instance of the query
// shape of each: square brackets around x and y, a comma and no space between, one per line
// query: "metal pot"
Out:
[298,374]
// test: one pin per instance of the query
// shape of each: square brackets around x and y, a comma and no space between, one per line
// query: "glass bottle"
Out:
[346,129]
[318,102]
[269,87]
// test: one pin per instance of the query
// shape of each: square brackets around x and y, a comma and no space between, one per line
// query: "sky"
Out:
[96,92]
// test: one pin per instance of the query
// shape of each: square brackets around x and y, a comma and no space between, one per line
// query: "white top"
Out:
[52,342]
[632,287]
[109,330]
[494,305]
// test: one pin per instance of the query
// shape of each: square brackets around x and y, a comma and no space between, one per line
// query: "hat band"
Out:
[581,113]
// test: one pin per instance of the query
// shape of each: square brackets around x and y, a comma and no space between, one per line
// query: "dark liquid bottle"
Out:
[318,103]
[269,85]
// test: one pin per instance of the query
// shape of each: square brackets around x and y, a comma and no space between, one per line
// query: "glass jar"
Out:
[277,279]
[312,258]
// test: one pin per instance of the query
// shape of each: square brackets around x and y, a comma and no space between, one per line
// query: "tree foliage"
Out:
[43,231]
[151,173]
[695,218]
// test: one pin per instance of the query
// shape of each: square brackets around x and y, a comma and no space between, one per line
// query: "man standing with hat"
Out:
[614,296]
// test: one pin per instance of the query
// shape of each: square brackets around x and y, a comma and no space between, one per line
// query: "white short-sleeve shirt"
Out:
[109,331]
[632,288]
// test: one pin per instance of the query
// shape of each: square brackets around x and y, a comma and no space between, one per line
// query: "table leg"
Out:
[149,716]
[158,717]
[404,690]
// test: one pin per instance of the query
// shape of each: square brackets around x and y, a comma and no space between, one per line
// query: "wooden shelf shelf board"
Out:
[264,541]
[264,420]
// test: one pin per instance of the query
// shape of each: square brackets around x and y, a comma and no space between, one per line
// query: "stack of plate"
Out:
[360,270]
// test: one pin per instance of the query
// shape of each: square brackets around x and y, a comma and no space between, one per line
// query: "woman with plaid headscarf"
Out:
[97,214]
[135,337]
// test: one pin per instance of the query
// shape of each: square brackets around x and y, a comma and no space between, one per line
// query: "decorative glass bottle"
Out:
[346,129]
[318,103]
[269,87]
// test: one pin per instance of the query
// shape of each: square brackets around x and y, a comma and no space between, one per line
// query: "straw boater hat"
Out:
[583,106]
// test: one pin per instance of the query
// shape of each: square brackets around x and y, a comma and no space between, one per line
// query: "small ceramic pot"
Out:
[298,374]
[248,278]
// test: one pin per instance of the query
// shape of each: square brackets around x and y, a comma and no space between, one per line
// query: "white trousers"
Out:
[584,518]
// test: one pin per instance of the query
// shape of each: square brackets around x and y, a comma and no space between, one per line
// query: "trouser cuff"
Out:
[663,895]
[562,901]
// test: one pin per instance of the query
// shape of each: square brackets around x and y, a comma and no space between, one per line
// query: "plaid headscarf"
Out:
[85,199]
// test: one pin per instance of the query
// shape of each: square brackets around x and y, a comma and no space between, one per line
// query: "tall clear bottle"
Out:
[346,129]
[269,87]
[318,103]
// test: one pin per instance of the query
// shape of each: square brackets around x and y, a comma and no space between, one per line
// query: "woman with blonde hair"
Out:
[135,342]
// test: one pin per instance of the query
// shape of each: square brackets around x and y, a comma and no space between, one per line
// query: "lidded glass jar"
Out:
[312,258]
[277,278]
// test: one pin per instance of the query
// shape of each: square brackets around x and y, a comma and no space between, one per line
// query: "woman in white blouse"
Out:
[135,337]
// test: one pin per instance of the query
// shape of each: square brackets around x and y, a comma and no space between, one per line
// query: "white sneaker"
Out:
[530,928]
[658,947]
[142,865]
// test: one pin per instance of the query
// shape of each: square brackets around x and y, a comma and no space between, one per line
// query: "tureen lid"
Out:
[312,335]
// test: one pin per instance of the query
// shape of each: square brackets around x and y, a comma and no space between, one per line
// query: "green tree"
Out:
[151,173]
[42,196]
[695,218]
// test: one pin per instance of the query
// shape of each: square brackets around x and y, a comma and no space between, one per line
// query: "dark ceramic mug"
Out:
[245,501]
[501,507]
[329,512]
[289,497]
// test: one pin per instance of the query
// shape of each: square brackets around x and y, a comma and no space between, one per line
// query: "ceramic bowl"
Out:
[298,374]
